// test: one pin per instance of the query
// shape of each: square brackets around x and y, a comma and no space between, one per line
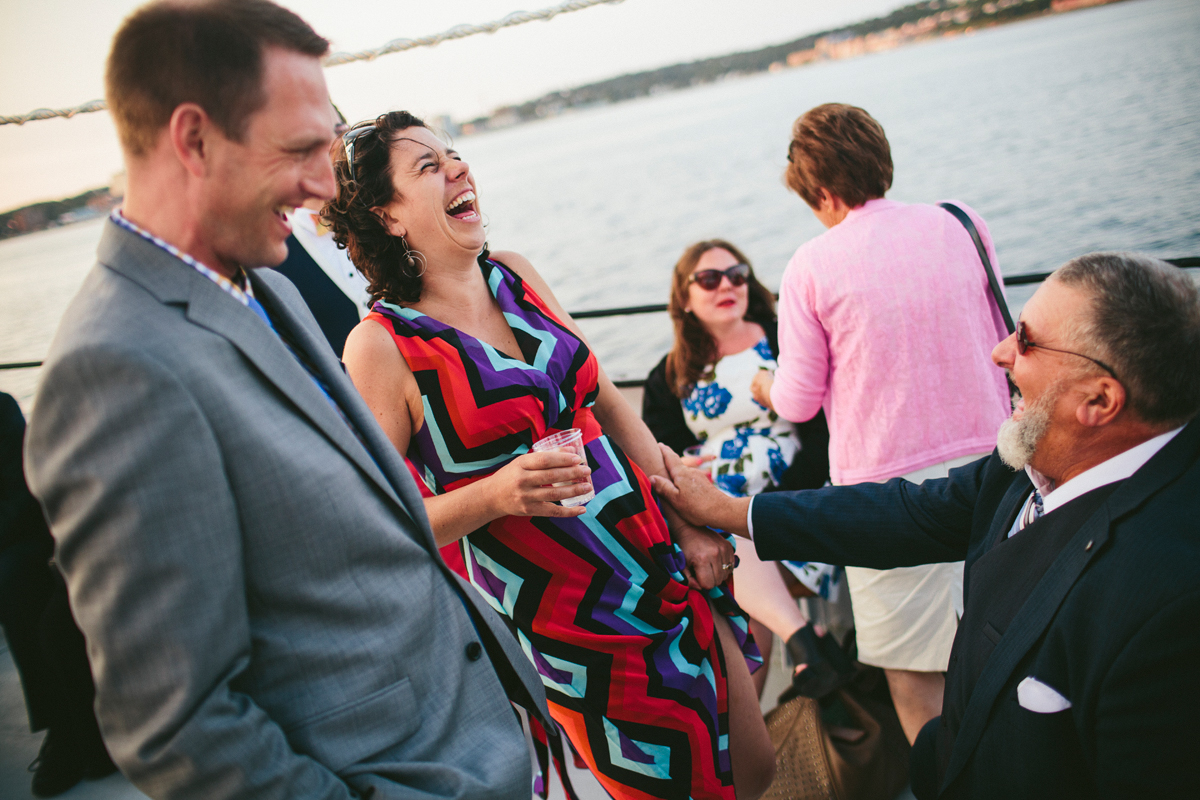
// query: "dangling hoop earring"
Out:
[410,260]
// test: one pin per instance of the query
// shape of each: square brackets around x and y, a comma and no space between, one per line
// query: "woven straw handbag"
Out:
[847,746]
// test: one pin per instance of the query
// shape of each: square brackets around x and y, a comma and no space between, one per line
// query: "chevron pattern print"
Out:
[628,653]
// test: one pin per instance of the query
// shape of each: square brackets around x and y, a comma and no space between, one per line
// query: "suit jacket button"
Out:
[474,651]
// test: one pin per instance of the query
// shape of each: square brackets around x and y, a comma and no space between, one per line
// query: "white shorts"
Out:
[906,618]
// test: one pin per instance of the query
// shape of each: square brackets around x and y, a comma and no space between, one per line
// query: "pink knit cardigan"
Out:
[886,321]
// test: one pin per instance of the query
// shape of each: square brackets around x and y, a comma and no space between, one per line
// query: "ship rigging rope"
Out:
[337,59]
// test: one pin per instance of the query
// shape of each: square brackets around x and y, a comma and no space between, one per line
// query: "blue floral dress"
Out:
[751,444]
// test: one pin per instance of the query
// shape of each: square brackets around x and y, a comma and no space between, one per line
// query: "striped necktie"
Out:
[1034,510]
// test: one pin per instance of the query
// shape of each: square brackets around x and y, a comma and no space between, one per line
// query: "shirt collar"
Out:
[240,290]
[1117,468]
[305,218]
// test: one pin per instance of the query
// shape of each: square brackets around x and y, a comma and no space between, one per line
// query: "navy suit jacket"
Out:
[1111,625]
[334,311]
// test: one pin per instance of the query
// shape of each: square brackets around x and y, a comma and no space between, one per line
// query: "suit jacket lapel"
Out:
[207,305]
[1042,605]
[383,463]
[1009,507]
[1026,628]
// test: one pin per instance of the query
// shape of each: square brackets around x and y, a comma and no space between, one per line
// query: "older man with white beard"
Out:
[1073,673]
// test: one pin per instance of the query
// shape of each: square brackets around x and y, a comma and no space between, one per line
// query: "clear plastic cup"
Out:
[569,441]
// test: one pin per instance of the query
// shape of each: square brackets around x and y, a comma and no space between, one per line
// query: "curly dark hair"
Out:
[694,347]
[393,269]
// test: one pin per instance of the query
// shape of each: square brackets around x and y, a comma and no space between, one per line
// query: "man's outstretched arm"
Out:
[883,526]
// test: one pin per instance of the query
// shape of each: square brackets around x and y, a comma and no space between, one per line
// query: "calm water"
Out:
[1069,134]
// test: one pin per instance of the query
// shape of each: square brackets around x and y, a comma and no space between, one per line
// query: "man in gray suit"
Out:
[265,610]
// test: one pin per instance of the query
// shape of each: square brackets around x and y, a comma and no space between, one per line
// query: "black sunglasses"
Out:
[710,279]
[348,139]
[1024,344]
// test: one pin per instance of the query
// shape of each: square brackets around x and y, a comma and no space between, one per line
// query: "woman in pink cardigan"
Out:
[886,321]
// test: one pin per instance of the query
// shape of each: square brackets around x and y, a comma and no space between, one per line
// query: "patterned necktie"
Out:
[1034,510]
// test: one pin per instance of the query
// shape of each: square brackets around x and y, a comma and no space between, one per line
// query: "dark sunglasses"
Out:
[710,279]
[348,139]
[1024,344]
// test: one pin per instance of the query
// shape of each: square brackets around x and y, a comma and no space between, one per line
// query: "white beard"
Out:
[1018,439]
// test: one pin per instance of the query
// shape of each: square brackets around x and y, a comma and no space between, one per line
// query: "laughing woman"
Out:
[468,359]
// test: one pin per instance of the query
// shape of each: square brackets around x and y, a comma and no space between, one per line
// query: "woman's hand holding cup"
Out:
[568,441]
[541,483]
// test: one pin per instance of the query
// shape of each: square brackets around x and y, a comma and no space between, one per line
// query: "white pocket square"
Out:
[1039,698]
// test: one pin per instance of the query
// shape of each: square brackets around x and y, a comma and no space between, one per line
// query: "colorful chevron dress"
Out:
[629,656]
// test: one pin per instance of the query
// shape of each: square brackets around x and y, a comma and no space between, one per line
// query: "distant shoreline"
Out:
[910,24]
[918,22]
[57,213]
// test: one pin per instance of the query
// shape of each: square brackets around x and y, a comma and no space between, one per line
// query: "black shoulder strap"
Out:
[771,328]
[965,219]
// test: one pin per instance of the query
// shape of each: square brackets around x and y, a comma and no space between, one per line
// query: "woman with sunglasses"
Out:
[698,399]
[886,322]
[467,360]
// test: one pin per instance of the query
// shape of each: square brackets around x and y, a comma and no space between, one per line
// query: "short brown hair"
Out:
[694,348]
[209,53]
[843,149]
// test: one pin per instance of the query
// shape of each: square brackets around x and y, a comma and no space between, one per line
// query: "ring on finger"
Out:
[727,566]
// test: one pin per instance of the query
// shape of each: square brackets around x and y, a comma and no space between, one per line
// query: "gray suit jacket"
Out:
[265,611]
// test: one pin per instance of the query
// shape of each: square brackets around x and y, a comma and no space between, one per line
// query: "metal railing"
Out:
[1009,280]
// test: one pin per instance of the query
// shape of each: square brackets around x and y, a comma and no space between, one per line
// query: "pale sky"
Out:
[52,55]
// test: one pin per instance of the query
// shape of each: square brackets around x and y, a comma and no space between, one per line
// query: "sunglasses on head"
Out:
[348,139]
[710,279]
[1023,344]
